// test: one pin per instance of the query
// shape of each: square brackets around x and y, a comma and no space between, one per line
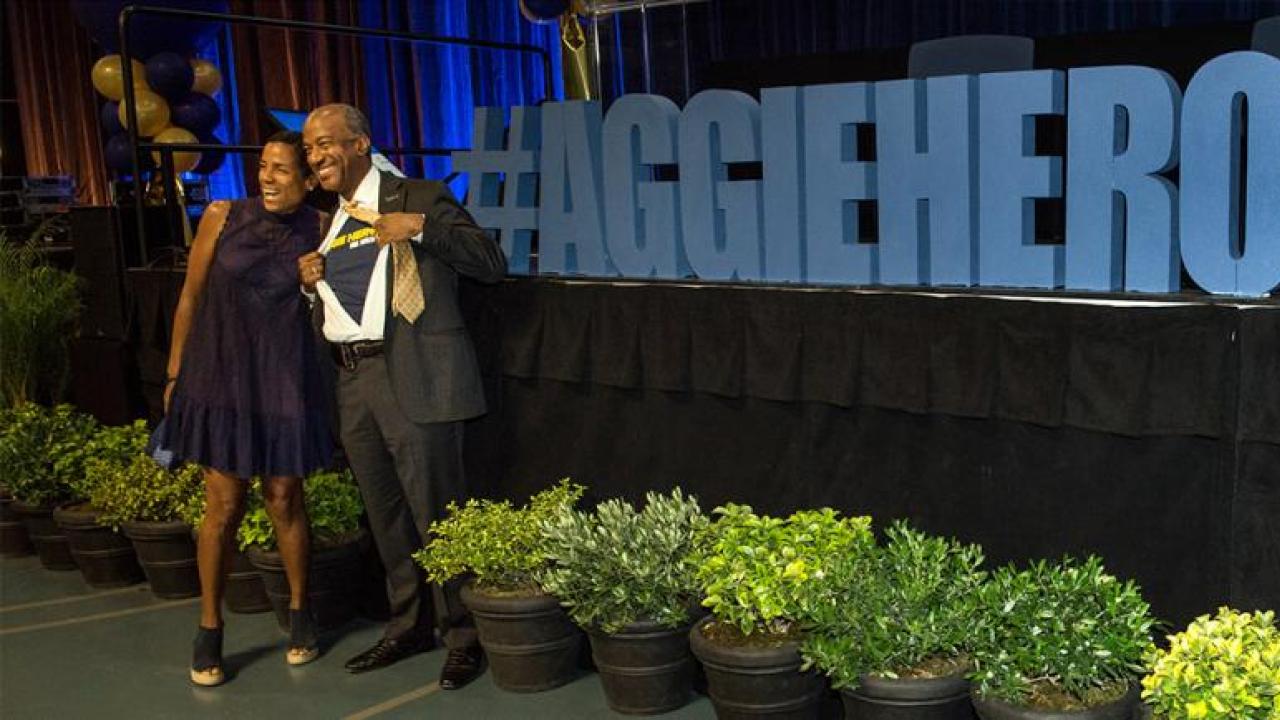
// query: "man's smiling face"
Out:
[338,156]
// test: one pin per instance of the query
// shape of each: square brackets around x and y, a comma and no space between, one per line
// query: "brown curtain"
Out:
[293,69]
[52,59]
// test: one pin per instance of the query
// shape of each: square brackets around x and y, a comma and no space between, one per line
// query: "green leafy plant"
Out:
[903,609]
[616,565]
[1220,667]
[39,306]
[767,575]
[333,511]
[43,452]
[141,490]
[1062,635]
[496,542]
[119,444]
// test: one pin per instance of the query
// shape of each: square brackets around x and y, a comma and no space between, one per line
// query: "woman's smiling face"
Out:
[283,177]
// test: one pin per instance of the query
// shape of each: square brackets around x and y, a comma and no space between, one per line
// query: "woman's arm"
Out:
[215,216]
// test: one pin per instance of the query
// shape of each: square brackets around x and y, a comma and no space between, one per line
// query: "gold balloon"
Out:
[108,76]
[208,78]
[153,113]
[182,161]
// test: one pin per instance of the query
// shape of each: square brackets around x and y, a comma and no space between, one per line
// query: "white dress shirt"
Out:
[339,326]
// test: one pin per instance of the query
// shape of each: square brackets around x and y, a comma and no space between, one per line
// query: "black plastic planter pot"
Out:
[333,581]
[879,698]
[13,534]
[750,683]
[49,540]
[529,641]
[245,591]
[105,557]
[1122,709]
[645,668]
[168,557]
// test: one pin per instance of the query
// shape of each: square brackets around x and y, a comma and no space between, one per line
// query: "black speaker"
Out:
[104,241]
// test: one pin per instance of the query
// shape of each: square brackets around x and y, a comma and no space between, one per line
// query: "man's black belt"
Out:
[348,355]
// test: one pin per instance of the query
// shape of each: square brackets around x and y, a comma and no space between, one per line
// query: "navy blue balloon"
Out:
[542,11]
[110,117]
[210,160]
[149,34]
[196,112]
[119,155]
[170,75]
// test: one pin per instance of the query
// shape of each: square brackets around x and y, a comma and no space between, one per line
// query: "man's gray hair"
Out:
[355,120]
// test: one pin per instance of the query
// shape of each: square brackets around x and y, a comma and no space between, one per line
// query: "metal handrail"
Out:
[166,150]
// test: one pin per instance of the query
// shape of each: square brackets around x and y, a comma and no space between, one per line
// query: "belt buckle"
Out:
[348,356]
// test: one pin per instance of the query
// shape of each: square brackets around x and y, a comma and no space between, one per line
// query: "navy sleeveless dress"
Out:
[250,397]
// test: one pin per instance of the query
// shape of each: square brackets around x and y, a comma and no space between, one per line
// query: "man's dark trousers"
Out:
[405,470]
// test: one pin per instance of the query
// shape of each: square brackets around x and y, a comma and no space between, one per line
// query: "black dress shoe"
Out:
[388,651]
[461,666]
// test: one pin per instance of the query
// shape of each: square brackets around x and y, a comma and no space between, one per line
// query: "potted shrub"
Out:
[763,579]
[1220,667]
[26,453]
[528,639]
[83,454]
[895,642]
[39,306]
[149,501]
[1057,638]
[625,576]
[337,545]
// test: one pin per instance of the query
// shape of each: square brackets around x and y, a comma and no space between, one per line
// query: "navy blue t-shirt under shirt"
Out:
[350,265]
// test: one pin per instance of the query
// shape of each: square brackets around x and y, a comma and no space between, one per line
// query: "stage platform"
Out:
[1142,429]
[69,651]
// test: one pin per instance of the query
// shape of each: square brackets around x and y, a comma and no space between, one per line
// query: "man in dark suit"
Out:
[386,275]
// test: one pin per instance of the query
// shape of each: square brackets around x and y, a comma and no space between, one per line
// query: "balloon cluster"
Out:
[173,101]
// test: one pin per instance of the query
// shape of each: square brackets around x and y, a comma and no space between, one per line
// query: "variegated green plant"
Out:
[617,565]
[1222,666]
[768,575]
[108,450]
[496,542]
[333,507]
[143,491]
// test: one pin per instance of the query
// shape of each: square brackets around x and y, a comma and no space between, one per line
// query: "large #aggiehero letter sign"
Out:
[954,182]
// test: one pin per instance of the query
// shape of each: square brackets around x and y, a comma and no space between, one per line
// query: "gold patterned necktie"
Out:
[406,289]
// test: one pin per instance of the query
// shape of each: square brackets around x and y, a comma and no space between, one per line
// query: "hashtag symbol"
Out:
[503,194]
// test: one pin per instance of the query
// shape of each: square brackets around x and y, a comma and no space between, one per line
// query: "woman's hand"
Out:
[168,393]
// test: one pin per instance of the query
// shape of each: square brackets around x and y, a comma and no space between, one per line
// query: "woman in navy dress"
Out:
[244,396]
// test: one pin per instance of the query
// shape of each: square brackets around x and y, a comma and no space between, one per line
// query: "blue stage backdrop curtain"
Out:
[228,182]
[743,29]
[423,95]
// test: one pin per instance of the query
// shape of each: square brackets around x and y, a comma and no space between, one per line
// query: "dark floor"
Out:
[69,651]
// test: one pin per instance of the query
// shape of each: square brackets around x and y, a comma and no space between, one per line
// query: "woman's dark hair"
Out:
[294,140]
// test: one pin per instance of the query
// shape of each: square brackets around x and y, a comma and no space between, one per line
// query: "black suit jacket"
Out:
[432,362]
